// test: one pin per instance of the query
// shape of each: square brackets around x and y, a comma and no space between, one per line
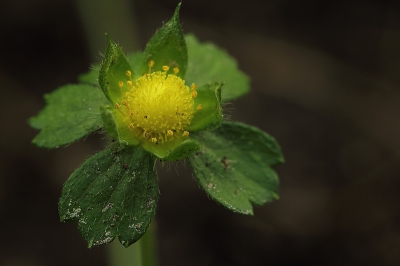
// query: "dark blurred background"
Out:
[325,84]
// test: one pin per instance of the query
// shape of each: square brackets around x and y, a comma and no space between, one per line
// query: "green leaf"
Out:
[90,77]
[209,63]
[113,70]
[210,116]
[114,193]
[167,47]
[111,119]
[71,113]
[234,166]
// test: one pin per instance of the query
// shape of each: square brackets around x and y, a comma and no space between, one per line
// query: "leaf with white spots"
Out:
[113,194]
[234,166]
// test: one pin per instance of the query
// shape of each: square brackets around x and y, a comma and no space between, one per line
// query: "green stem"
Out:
[142,253]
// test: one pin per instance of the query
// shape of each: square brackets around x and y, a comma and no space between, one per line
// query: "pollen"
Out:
[158,107]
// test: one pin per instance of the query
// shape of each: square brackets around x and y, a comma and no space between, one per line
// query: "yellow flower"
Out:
[158,110]
[158,106]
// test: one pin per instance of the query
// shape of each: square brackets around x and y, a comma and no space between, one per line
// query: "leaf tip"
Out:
[90,243]
[176,13]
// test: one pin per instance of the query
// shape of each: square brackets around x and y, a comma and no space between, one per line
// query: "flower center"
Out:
[158,106]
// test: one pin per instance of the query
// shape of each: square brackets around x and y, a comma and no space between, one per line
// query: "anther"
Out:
[165,68]
[129,83]
[176,70]
[116,105]
[120,84]
[194,93]
[170,133]
[131,126]
[185,133]
[193,86]
[154,140]
[128,73]
[151,64]
[199,107]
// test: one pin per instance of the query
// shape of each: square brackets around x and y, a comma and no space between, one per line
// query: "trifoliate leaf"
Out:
[208,63]
[167,47]
[72,112]
[113,194]
[208,107]
[234,166]
[113,74]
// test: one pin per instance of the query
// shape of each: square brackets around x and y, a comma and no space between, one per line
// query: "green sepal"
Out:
[114,193]
[208,63]
[112,71]
[70,114]
[210,116]
[114,125]
[172,150]
[234,166]
[92,76]
[136,60]
[167,47]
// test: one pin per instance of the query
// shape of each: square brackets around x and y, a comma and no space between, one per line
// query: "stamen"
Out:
[199,107]
[128,73]
[151,64]
[165,68]
[120,84]
[176,70]
[185,133]
[116,105]
[194,93]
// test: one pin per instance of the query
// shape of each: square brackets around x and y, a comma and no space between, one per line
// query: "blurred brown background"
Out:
[325,83]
